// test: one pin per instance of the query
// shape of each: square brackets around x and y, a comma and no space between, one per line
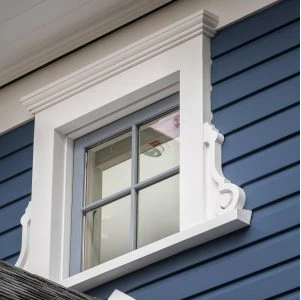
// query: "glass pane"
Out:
[158,211]
[109,168]
[107,232]
[159,145]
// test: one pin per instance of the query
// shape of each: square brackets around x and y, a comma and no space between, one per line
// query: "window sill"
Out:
[159,250]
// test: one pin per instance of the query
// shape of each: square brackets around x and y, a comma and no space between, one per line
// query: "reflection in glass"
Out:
[109,168]
[159,145]
[107,232]
[158,211]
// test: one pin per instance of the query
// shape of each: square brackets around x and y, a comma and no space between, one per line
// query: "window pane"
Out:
[109,168]
[158,211]
[159,145]
[107,232]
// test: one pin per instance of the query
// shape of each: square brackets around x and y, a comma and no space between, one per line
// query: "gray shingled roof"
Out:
[16,283]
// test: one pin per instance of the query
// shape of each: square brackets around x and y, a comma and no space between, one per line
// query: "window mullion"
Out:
[134,181]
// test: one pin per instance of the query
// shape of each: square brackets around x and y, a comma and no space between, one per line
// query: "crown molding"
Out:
[48,52]
[201,22]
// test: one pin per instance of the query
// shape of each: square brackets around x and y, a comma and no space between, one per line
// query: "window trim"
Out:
[176,58]
[102,134]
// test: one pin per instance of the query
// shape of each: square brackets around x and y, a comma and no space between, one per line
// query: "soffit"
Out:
[34,32]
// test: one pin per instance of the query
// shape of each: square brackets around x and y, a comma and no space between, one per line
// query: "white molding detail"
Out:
[227,195]
[25,222]
[202,22]
[47,52]
[117,295]
[176,58]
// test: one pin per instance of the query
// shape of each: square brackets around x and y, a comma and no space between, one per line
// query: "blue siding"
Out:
[255,100]
[15,187]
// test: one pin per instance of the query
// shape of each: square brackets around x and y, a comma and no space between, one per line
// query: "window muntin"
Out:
[101,241]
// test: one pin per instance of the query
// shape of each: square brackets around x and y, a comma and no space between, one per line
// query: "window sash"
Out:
[81,145]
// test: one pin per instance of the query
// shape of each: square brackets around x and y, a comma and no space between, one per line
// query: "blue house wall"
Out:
[15,187]
[255,100]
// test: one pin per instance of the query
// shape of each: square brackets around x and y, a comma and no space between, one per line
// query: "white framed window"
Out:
[173,60]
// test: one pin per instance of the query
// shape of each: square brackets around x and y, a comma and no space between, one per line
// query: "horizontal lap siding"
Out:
[255,100]
[15,187]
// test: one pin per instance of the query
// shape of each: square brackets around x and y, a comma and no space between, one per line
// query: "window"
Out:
[75,118]
[129,178]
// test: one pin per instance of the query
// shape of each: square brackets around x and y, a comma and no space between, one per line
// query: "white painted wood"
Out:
[117,295]
[224,196]
[25,222]
[180,61]
[159,250]
[66,212]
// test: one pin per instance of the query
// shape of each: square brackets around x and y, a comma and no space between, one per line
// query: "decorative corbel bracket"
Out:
[25,222]
[222,196]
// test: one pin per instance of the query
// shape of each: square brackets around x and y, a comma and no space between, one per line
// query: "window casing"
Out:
[124,174]
[174,59]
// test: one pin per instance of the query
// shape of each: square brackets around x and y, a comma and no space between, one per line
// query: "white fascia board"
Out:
[159,250]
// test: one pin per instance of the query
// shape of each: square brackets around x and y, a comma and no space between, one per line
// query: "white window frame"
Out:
[175,59]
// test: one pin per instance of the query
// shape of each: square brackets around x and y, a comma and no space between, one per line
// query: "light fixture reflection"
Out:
[168,127]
